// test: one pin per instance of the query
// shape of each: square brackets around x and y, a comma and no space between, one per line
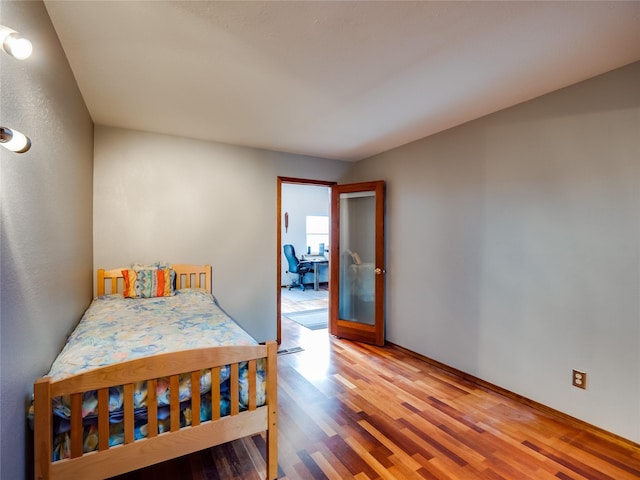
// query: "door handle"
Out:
[379,271]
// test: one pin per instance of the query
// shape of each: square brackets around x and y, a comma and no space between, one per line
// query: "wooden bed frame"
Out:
[134,454]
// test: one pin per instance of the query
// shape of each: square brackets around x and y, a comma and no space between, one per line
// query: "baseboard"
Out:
[518,398]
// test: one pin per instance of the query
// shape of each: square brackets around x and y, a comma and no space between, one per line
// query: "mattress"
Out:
[116,329]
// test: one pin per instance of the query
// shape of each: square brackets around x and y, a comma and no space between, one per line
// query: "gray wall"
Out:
[513,248]
[45,202]
[158,197]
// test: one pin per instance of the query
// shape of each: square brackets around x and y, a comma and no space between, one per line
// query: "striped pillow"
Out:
[147,283]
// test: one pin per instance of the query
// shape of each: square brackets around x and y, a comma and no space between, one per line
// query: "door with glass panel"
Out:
[356,307]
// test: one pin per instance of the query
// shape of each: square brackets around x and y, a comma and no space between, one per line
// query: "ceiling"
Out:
[340,80]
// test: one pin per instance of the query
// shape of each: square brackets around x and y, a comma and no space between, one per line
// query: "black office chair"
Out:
[296,267]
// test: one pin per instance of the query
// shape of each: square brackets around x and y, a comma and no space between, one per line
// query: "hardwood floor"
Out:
[352,411]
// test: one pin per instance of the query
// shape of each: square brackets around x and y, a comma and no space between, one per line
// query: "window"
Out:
[317,233]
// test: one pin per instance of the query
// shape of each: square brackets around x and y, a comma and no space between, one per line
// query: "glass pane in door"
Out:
[356,297]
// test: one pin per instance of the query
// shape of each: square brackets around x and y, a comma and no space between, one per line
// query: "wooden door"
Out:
[356,307]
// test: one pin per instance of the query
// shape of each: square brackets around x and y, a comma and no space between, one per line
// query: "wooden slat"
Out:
[272,412]
[128,413]
[251,372]
[76,425]
[152,408]
[215,393]
[195,398]
[42,428]
[207,279]
[100,282]
[103,419]
[174,385]
[234,389]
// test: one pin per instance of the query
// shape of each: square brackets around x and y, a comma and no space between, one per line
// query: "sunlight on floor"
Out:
[313,362]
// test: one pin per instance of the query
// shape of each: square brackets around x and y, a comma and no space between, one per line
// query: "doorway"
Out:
[291,227]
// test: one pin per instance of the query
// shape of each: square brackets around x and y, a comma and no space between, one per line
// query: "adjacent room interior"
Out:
[304,297]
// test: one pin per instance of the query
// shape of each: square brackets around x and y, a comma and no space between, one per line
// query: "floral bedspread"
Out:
[116,329]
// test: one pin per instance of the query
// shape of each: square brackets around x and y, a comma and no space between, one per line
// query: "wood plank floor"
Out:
[351,411]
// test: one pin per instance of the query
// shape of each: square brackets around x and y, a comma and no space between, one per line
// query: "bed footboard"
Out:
[107,461]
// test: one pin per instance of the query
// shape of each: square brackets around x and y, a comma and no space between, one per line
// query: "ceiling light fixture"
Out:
[14,140]
[14,44]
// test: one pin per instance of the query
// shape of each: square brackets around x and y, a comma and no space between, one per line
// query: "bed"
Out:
[124,409]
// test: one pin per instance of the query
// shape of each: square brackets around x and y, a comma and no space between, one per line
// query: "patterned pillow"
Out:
[147,283]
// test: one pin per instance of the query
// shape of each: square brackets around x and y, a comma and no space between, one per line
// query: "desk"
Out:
[317,262]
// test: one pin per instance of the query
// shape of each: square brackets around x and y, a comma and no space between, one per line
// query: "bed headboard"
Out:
[187,276]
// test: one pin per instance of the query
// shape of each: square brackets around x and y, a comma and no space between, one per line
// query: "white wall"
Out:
[46,226]
[299,201]
[158,197]
[513,248]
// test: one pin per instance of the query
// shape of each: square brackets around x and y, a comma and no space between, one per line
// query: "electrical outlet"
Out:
[579,379]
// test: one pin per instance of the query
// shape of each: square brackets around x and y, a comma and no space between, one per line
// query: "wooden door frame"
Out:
[280,181]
